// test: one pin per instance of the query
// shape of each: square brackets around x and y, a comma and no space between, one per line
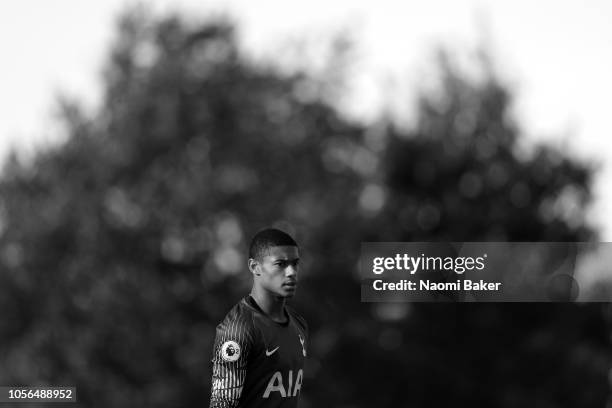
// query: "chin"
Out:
[286,295]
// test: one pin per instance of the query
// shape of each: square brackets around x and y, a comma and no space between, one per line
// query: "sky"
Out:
[556,55]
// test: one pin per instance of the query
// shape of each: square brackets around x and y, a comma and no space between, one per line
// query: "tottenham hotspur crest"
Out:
[230,351]
[302,341]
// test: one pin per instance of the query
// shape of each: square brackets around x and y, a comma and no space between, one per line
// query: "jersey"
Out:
[257,362]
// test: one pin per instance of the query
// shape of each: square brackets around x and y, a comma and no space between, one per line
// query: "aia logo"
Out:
[285,388]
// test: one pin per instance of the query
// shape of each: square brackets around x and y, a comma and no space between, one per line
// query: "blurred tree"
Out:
[125,246]
[462,175]
[122,248]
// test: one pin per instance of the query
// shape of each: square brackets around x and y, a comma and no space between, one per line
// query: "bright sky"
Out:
[557,54]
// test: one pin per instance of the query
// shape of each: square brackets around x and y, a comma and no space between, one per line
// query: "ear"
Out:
[254,267]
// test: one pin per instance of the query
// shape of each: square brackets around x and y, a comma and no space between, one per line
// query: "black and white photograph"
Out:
[322,204]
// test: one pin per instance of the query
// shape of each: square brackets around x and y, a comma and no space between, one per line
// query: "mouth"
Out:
[290,285]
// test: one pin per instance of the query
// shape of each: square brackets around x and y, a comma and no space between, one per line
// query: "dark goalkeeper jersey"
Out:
[258,363]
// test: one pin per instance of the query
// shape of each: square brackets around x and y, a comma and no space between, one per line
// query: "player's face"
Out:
[279,270]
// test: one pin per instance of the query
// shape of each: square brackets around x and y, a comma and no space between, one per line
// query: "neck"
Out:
[273,306]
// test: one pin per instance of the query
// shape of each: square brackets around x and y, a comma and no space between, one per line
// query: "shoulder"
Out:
[238,321]
[299,319]
[234,338]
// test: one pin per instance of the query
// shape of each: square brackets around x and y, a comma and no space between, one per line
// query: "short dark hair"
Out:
[267,238]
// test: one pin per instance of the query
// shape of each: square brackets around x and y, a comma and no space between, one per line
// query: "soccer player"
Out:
[260,346]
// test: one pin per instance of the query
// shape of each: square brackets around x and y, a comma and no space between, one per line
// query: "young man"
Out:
[260,346]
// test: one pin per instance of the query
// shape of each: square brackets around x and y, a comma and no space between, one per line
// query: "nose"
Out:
[291,271]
